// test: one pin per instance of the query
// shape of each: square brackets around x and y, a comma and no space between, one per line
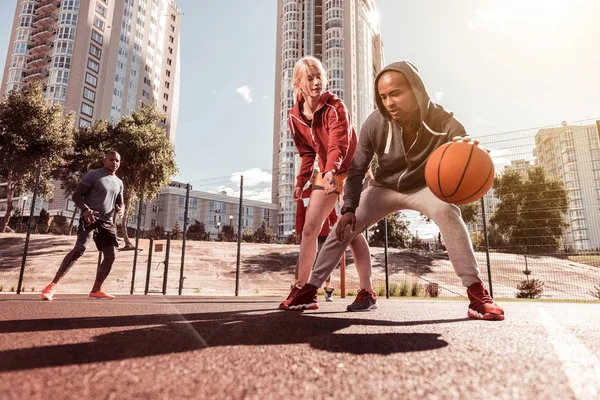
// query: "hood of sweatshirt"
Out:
[411,73]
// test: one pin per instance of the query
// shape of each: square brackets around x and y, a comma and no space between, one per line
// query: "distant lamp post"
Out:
[231,221]
[24,199]
[218,225]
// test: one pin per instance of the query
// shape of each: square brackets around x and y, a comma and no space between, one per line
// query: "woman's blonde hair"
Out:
[301,70]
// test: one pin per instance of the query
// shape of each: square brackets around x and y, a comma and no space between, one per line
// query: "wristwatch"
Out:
[344,210]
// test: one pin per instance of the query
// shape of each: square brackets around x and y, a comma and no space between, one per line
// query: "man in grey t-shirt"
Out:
[99,194]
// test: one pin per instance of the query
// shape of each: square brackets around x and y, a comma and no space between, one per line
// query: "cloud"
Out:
[245,93]
[257,185]
[438,96]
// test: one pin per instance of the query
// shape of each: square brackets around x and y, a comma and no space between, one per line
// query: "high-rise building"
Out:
[572,154]
[345,36]
[98,58]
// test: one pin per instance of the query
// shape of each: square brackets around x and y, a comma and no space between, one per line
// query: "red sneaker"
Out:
[304,298]
[365,301]
[293,291]
[482,305]
[100,295]
[48,292]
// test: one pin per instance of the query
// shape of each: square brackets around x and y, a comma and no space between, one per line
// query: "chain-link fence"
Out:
[536,235]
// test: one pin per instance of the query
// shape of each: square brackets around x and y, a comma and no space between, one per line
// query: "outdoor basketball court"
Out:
[200,347]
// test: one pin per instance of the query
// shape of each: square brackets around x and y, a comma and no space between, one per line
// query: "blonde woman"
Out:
[320,127]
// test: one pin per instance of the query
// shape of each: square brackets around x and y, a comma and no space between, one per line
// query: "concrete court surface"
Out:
[156,347]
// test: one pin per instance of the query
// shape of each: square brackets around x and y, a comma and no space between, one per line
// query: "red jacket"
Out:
[301,215]
[331,137]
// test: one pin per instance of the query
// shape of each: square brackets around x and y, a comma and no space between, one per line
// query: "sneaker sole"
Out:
[487,317]
[101,298]
[44,297]
[371,307]
[301,307]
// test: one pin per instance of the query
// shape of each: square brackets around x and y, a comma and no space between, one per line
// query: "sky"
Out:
[500,65]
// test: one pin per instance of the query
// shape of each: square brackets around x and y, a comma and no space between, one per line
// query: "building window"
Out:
[171,39]
[96,37]
[84,123]
[89,94]
[95,51]
[167,85]
[168,61]
[100,9]
[166,96]
[98,23]
[93,65]
[170,50]
[91,79]
[87,109]
[165,108]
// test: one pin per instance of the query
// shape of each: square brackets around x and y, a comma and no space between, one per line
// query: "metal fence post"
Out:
[149,266]
[239,238]
[487,247]
[31,212]
[166,273]
[385,252]
[137,240]
[185,224]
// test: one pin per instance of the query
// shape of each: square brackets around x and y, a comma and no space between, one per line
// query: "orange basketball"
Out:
[459,172]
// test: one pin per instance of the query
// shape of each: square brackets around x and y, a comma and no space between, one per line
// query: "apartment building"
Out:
[345,36]
[99,59]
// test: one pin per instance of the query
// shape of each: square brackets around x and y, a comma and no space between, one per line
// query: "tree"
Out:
[43,221]
[176,232]
[264,234]
[227,234]
[33,133]
[147,156]
[531,212]
[398,233]
[196,231]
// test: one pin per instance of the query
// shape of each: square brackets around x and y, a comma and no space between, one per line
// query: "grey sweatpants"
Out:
[377,202]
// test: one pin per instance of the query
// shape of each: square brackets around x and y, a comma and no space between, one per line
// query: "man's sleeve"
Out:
[360,164]
[455,128]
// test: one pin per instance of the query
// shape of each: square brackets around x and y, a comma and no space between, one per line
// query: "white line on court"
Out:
[579,364]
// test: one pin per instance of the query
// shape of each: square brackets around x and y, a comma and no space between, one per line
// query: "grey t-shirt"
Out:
[102,191]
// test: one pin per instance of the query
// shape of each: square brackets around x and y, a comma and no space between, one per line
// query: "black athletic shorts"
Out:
[105,233]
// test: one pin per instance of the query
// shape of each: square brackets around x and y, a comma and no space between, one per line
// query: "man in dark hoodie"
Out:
[404,130]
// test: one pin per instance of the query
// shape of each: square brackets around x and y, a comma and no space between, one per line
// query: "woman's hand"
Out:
[330,183]
[297,194]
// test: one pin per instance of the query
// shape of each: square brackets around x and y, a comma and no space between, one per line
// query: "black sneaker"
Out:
[364,301]
[329,294]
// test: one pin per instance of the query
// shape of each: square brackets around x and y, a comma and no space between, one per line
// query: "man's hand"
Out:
[330,183]
[297,193]
[347,219]
[119,210]
[88,216]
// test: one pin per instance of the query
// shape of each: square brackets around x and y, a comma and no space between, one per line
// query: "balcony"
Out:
[38,61]
[47,6]
[35,74]
[41,48]
[44,20]
[42,34]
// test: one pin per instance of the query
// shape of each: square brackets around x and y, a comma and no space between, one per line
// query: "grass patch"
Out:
[591,260]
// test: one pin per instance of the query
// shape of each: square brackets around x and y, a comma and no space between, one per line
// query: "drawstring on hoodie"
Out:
[388,142]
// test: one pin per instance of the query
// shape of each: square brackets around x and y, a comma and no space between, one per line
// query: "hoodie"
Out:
[329,135]
[399,168]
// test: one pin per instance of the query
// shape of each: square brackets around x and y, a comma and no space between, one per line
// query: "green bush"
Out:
[432,289]
[405,289]
[416,290]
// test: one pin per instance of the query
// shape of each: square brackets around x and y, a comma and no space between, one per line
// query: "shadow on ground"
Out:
[157,334]
[271,262]
[11,258]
